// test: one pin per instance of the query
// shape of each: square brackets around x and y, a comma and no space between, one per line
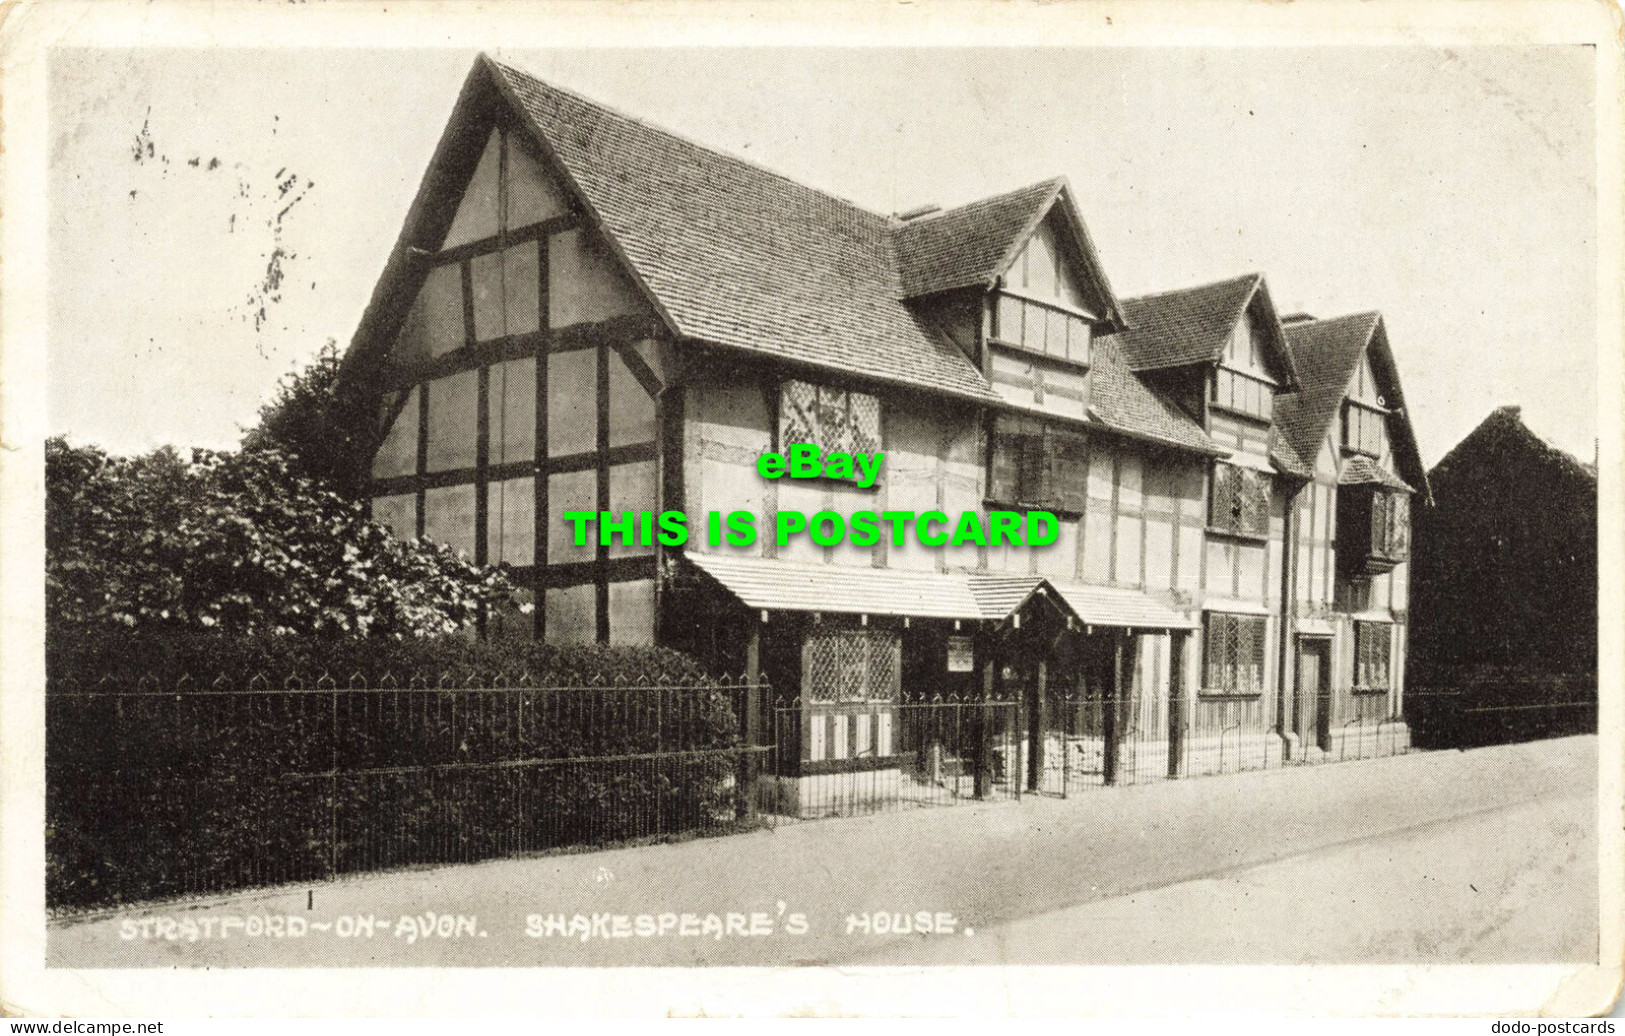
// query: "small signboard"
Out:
[961,655]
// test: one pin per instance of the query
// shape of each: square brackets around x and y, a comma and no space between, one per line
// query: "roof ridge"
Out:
[655,127]
[1051,183]
[1372,315]
[1255,276]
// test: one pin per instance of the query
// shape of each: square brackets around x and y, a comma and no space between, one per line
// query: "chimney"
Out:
[916,213]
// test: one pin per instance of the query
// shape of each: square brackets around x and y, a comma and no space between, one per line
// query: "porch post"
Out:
[983,784]
[1176,702]
[1035,731]
[753,715]
[1108,715]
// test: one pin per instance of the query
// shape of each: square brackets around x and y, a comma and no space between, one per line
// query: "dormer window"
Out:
[1363,428]
[1365,415]
[1241,384]
[1041,327]
[1040,307]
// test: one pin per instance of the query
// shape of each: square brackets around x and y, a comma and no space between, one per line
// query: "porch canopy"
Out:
[1116,606]
[773,585]
[800,586]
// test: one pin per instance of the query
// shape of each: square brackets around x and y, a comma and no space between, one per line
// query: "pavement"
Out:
[1485,856]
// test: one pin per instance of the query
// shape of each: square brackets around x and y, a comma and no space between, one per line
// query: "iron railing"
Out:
[843,758]
[198,790]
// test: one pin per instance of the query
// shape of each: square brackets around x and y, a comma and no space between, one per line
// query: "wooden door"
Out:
[1314,693]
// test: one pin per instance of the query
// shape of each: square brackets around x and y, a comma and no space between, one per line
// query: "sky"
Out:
[217,215]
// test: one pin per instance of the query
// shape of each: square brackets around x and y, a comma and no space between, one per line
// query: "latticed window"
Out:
[1038,465]
[1390,524]
[1241,501]
[834,420]
[1372,642]
[852,666]
[1235,653]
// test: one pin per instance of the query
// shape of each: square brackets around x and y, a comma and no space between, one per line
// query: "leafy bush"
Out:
[324,423]
[150,792]
[90,657]
[238,542]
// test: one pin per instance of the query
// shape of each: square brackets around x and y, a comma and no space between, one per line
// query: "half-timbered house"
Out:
[585,312]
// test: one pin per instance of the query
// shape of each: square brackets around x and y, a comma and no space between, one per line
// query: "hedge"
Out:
[167,775]
[1470,706]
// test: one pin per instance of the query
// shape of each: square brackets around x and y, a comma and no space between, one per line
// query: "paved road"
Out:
[1487,856]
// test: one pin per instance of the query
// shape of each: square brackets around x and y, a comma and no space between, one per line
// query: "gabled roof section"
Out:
[970,245]
[1362,471]
[1191,325]
[1125,404]
[1327,353]
[739,256]
[974,244]
[731,255]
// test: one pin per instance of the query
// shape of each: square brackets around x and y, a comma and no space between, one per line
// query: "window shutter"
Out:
[1254,492]
[1222,506]
[1362,654]
[798,407]
[1379,523]
[1005,470]
[1401,511]
[1217,643]
[1070,480]
[1034,474]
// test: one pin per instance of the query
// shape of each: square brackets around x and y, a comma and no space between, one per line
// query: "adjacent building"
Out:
[1505,620]
[585,312]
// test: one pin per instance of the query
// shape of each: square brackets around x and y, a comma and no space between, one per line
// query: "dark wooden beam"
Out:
[602,609]
[495,243]
[616,331]
[640,370]
[628,454]
[541,517]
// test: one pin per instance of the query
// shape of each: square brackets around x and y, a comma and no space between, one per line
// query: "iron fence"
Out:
[1073,743]
[195,790]
[857,757]
[199,790]
[1502,709]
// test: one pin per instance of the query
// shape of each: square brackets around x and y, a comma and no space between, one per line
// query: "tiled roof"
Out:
[1114,606]
[1363,471]
[1283,453]
[1190,325]
[773,585]
[999,595]
[840,589]
[1121,401]
[1326,352]
[740,256]
[969,245]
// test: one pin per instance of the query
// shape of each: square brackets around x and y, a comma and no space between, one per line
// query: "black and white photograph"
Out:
[1029,503]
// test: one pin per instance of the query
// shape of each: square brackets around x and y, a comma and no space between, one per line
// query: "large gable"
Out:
[1194,325]
[975,244]
[1329,355]
[725,253]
